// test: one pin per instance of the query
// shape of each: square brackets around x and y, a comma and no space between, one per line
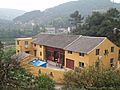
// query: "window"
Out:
[40,46]
[119,56]
[35,45]
[17,42]
[106,52]
[70,52]
[112,62]
[81,54]
[40,53]
[81,64]
[27,52]
[26,42]
[35,52]
[112,49]
[97,51]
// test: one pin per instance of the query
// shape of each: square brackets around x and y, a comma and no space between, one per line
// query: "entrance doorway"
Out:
[55,55]
[70,63]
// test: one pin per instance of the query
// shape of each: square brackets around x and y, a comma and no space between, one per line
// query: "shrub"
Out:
[92,79]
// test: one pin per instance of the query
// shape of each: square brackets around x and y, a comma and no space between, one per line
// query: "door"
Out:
[56,55]
[35,52]
[70,63]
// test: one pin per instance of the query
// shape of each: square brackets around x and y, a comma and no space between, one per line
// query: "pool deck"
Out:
[56,71]
[53,65]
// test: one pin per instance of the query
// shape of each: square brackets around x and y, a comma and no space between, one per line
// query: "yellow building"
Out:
[70,51]
[24,45]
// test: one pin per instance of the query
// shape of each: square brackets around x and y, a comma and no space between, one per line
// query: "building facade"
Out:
[71,51]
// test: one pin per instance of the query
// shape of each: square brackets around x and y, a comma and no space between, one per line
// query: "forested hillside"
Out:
[105,24]
[58,16]
[29,23]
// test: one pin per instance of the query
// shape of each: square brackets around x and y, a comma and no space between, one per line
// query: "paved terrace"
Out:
[57,73]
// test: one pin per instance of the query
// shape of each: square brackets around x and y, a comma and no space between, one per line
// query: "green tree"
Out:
[14,77]
[1,50]
[76,19]
[36,29]
[44,82]
[101,24]
[92,79]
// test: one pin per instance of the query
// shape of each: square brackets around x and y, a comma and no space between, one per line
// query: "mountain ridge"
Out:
[10,14]
[62,11]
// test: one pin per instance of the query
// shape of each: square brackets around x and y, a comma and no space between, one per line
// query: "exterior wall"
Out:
[22,47]
[88,59]
[26,60]
[39,49]
[91,58]
[105,60]
[75,56]
[57,75]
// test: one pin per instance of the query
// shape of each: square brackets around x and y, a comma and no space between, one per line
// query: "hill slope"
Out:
[10,14]
[62,12]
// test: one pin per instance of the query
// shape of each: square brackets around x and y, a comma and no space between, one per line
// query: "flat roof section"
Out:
[23,38]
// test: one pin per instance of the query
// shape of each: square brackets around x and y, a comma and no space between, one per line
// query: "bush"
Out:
[43,82]
[13,77]
[92,79]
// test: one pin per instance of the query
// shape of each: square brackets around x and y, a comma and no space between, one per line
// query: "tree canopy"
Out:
[92,79]
[14,77]
[101,24]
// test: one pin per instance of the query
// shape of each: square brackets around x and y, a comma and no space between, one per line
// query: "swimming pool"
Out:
[38,63]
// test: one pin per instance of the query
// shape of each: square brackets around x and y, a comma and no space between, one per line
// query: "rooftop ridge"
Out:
[73,41]
[85,44]
[93,37]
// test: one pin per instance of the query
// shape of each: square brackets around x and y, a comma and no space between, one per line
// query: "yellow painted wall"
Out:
[21,47]
[105,61]
[91,58]
[75,56]
[88,60]
[57,74]
[39,48]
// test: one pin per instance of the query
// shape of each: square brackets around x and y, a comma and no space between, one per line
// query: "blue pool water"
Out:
[38,63]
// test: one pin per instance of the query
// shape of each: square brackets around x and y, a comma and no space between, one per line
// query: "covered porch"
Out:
[54,57]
